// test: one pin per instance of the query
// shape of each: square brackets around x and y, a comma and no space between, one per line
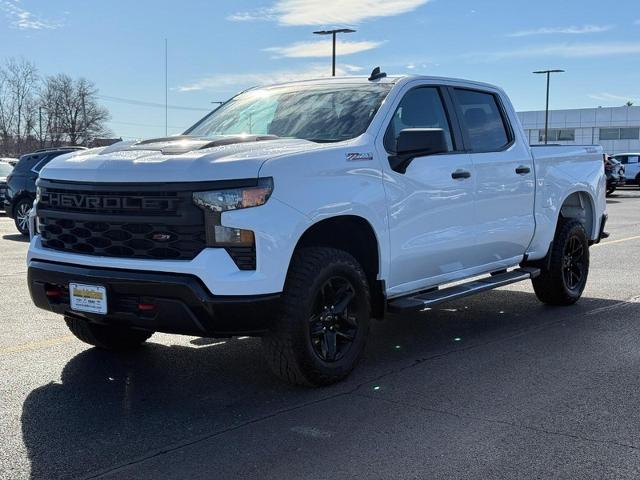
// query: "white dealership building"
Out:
[617,129]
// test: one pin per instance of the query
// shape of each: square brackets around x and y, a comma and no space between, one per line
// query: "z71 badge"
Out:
[356,157]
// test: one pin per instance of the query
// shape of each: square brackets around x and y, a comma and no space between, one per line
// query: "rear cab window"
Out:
[484,122]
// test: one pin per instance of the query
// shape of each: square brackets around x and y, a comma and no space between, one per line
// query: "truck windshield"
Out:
[320,113]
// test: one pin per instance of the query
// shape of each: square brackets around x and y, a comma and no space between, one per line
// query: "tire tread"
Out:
[283,343]
[549,285]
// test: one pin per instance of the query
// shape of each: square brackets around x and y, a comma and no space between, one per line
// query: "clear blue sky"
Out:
[217,48]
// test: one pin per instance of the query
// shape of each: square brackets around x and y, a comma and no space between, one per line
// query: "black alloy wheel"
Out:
[334,323]
[573,265]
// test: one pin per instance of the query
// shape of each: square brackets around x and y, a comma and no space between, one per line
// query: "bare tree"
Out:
[53,111]
[19,88]
[73,111]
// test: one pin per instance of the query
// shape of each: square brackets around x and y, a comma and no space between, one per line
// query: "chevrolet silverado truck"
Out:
[298,212]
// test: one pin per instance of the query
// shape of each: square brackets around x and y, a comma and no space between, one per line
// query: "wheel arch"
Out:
[355,235]
[19,197]
[580,205]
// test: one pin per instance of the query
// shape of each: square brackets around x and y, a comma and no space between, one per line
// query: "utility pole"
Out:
[40,122]
[333,34]
[546,110]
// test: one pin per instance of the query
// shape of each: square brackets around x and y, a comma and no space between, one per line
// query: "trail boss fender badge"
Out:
[358,156]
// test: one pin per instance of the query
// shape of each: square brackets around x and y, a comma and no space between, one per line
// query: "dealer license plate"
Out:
[88,298]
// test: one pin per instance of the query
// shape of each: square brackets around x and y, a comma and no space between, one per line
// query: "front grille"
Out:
[128,221]
[127,240]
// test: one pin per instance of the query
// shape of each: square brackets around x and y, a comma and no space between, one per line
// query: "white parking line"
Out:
[614,306]
[637,237]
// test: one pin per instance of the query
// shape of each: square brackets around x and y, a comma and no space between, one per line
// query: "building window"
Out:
[558,135]
[629,133]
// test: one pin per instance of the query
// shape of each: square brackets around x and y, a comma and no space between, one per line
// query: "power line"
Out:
[131,101]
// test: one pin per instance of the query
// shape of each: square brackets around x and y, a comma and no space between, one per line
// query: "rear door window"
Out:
[482,118]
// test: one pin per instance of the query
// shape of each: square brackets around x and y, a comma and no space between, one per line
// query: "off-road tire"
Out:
[551,285]
[288,345]
[107,337]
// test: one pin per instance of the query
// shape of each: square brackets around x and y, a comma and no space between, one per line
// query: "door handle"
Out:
[523,170]
[460,174]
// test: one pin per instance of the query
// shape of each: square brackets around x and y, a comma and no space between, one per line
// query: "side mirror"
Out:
[417,142]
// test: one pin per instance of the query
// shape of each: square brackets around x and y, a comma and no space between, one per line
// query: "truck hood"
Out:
[174,159]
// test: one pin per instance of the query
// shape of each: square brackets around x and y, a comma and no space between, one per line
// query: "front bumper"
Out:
[182,304]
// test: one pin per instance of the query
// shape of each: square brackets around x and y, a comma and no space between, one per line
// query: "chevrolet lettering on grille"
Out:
[97,202]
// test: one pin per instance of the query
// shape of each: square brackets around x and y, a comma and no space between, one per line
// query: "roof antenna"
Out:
[376,74]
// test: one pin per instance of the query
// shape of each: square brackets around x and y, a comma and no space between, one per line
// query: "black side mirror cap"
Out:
[417,142]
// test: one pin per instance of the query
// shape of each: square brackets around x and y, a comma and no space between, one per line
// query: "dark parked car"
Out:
[5,169]
[21,184]
[615,174]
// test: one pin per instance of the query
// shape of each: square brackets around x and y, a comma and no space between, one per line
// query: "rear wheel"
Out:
[21,215]
[563,282]
[105,336]
[321,331]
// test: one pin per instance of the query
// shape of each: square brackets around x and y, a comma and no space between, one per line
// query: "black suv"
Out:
[21,184]
[615,174]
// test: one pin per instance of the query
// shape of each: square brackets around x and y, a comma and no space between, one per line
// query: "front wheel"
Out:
[322,328]
[21,215]
[105,336]
[563,282]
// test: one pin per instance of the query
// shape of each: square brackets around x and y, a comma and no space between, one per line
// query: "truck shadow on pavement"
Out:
[110,409]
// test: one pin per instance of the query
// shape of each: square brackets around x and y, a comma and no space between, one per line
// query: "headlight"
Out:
[235,198]
[217,201]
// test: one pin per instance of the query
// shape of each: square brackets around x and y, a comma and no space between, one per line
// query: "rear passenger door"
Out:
[504,174]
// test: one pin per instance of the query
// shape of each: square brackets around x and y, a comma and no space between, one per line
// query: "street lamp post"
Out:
[333,34]
[546,110]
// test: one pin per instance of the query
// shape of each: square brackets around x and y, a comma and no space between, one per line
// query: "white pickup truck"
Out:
[298,212]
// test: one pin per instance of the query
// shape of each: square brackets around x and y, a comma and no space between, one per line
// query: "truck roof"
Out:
[389,79]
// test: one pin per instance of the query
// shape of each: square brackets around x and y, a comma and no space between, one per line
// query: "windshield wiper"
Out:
[324,140]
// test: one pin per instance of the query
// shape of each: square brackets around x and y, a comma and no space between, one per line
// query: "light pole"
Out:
[333,34]
[546,110]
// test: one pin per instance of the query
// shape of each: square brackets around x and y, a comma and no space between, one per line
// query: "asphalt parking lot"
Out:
[496,386]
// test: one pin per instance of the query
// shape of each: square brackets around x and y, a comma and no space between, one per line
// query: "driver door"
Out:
[431,205]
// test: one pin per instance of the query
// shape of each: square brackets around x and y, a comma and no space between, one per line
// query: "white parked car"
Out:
[297,212]
[631,162]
